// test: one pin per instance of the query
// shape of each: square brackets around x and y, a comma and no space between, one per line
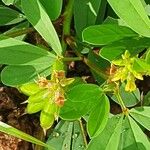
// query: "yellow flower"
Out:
[130,86]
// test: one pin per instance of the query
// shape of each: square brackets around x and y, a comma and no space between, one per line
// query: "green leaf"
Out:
[98,117]
[146,101]
[132,13]
[30,88]
[9,2]
[78,142]
[15,52]
[9,16]
[101,63]
[85,14]
[37,16]
[68,135]
[80,100]
[116,49]
[133,137]
[148,56]
[141,115]
[17,75]
[141,65]
[53,8]
[106,34]
[19,134]
[17,28]
[110,136]
[129,99]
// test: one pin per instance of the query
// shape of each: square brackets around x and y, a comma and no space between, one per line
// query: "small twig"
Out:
[67,17]
[72,59]
[70,41]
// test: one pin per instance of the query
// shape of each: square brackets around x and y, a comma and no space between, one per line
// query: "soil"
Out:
[12,113]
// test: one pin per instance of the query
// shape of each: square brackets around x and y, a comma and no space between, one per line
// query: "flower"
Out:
[124,71]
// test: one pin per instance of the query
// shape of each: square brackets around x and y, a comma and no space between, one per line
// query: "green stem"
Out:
[72,44]
[67,23]
[19,32]
[95,68]
[83,134]
[71,59]
[123,107]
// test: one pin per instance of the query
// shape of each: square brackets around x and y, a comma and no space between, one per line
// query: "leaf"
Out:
[106,34]
[116,49]
[9,2]
[110,136]
[80,100]
[53,8]
[129,99]
[146,101]
[19,134]
[42,23]
[137,19]
[141,115]
[98,117]
[87,15]
[15,52]
[17,28]
[68,135]
[141,65]
[148,56]
[78,142]
[100,63]
[17,75]
[9,16]
[30,88]
[133,137]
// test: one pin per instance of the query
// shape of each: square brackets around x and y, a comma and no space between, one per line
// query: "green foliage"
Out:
[67,134]
[129,99]
[106,34]
[53,8]
[115,51]
[9,2]
[17,75]
[9,16]
[81,99]
[98,117]
[110,137]
[135,138]
[38,17]
[85,14]
[141,115]
[137,19]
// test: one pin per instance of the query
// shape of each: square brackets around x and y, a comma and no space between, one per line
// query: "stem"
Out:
[72,44]
[123,107]
[19,32]
[67,23]
[72,59]
[82,131]
[95,68]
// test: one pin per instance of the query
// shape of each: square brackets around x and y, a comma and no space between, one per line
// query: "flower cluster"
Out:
[47,96]
[123,70]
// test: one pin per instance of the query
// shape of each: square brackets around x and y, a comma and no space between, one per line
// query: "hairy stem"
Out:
[67,17]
